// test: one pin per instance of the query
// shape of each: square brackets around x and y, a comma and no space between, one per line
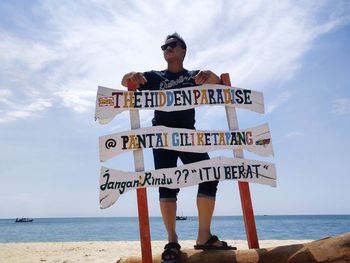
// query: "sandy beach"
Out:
[102,251]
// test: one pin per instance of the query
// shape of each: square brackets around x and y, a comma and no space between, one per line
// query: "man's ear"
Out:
[184,53]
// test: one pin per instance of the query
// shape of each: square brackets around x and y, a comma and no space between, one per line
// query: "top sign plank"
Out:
[110,102]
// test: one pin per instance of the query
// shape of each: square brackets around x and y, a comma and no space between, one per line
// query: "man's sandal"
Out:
[209,245]
[171,253]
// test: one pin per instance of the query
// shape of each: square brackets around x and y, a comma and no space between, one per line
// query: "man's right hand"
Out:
[136,77]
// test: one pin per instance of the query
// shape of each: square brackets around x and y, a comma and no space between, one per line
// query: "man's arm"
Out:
[206,77]
[136,77]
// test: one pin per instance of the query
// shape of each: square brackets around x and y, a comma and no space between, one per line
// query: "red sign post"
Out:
[145,235]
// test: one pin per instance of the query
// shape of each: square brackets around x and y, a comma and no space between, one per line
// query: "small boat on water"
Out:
[181,217]
[24,220]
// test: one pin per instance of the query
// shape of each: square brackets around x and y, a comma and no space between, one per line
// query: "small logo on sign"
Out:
[110,143]
[262,142]
[105,101]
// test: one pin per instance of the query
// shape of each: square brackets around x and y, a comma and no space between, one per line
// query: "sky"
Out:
[54,54]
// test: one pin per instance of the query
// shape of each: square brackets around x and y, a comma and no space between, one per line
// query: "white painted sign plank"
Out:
[257,140]
[110,102]
[113,183]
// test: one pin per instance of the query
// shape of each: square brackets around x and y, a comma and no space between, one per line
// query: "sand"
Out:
[102,251]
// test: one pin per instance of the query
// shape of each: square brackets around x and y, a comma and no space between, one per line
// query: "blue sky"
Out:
[54,54]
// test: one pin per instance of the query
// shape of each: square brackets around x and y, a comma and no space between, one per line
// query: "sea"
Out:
[296,227]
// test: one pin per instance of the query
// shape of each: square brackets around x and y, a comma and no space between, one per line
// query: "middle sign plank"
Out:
[257,140]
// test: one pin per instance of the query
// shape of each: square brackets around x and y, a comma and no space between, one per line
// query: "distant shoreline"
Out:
[191,216]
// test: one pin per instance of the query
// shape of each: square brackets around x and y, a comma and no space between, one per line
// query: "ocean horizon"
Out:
[269,227]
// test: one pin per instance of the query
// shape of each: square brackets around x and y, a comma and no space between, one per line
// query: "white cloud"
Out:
[278,101]
[18,112]
[95,43]
[4,101]
[264,43]
[294,134]
[24,55]
[5,93]
[39,105]
[341,106]
[77,98]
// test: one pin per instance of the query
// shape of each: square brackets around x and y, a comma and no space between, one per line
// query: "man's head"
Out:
[174,48]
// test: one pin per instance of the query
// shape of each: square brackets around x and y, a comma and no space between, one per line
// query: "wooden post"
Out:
[247,207]
[145,235]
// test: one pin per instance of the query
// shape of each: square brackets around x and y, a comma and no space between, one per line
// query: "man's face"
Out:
[173,50]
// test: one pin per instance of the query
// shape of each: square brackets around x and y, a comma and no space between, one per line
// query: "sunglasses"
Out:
[171,44]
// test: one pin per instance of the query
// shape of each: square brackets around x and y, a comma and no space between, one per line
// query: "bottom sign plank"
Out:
[113,183]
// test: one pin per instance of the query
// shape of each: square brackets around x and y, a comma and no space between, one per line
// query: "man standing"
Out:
[175,77]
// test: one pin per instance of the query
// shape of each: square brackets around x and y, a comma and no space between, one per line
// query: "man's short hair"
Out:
[178,38]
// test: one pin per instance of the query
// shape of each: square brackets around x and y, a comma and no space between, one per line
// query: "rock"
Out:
[330,249]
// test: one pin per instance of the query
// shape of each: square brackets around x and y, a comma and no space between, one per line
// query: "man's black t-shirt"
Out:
[163,80]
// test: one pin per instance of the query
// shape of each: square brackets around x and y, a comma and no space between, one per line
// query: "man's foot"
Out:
[171,253]
[213,243]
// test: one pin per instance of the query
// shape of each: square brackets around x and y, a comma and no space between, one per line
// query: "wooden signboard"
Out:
[257,140]
[110,102]
[113,183]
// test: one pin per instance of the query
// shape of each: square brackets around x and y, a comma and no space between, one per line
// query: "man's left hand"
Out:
[206,77]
